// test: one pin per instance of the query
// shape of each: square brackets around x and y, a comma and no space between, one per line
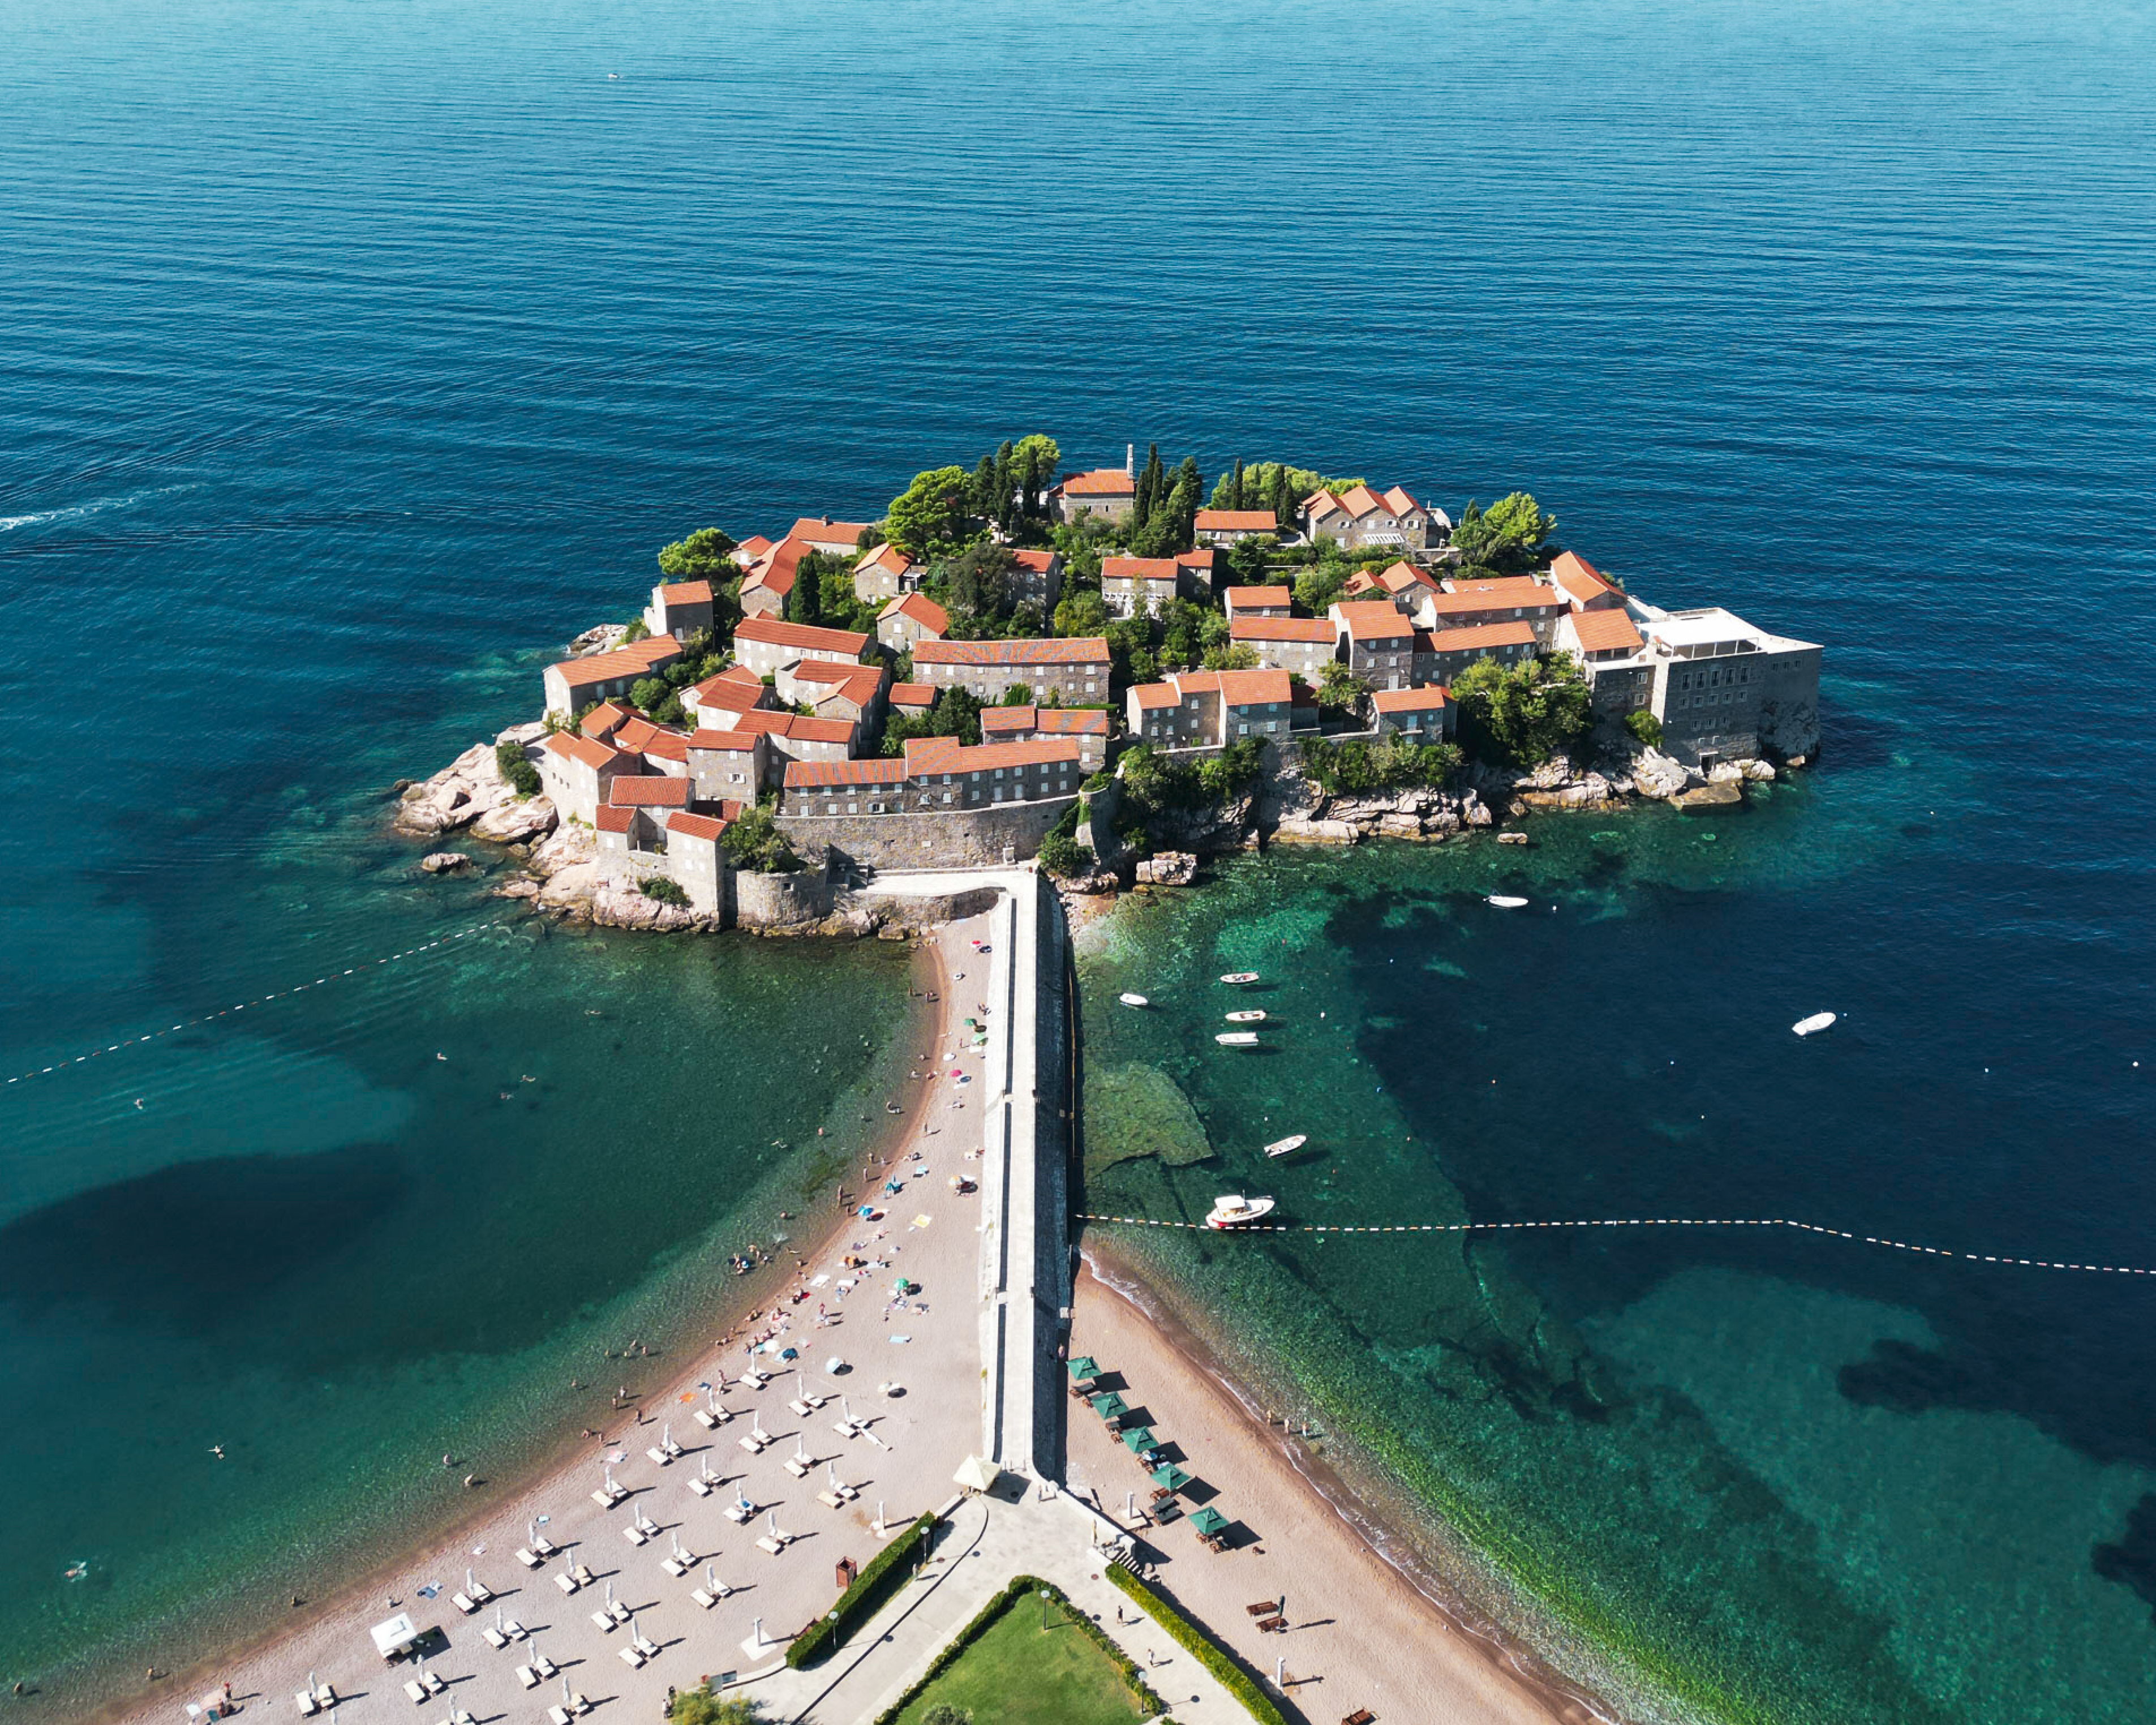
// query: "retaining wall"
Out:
[969,838]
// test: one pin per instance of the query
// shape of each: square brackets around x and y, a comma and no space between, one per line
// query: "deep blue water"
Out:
[351,357]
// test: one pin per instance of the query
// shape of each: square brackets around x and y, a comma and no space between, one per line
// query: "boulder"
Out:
[602,639]
[1511,838]
[564,848]
[442,862]
[1726,772]
[1170,868]
[516,821]
[614,907]
[1655,774]
[1709,796]
[1759,771]
[468,787]
[518,888]
[1091,886]
[526,737]
[1475,811]
[570,887]
[1400,826]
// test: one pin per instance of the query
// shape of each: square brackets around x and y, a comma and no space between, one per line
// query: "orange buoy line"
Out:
[209,1018]
[1872,1239]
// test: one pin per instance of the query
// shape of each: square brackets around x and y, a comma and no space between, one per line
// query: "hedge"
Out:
[1016,1588]
[860,1600]
[1193,1639]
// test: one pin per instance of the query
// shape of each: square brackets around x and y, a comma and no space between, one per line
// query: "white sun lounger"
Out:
[765,1542]
[800,1407]
[620,1611]
[546,1667]
[558,1715]
[462,1604]
[567,1584]
[739,1514]
[752,1443]
[513,1630]
[630,1656]
[583,1575]
[545,1546]
[711,1418]
[702,1597]
[660,1456]
[701,1487]
[645,1645]
[602,1622]
[755,1380]
[481,1592]
[796,1466]
[308,1704]
[673,1568]
[417,1691]
[434,1682]
[633,1534]
[458,1716]
[495,1638]
[528,1677]
[529,1559]
[831,1500]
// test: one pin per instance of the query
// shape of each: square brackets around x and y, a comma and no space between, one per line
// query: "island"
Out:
[1109,674]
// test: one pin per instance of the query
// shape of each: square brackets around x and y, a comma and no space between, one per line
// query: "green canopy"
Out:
[1169,1476]
[1084,1367]
[1110,1406]
[1209,1521]
[1139,1437]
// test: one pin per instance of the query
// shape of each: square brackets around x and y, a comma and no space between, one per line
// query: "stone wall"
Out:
[972,838]
[781,900]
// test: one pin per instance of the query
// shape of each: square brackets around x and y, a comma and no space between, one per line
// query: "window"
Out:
[947,795]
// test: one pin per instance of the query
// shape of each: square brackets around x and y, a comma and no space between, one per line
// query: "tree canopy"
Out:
[1264,482]
[955,714]
[704,555]
[1521,715]
[753,842]
[1506,536]
[930,510]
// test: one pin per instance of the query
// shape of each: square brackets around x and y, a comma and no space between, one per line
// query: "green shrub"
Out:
[754,843]
[1360,767]
[518,771]
[701,1707]
[666,891]
[1521,715]
[1064,857]
[871,1587]
[1233,1677]
[1646,726]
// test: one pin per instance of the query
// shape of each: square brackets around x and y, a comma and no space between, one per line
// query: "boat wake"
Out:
[83,511]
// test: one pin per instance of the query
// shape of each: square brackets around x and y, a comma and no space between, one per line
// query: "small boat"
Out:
[1817,1021]
[1246,1017]
[1504,901]
[1241,976]
[1133,1000]
[1234,1212]
[1287,1147]
[1237,1038]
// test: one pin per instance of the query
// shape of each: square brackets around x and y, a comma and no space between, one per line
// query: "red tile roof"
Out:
[616,820]
[1151,695]
[1398,500]
[750,548]
[726,692]
[1395,576]
[879,769]
[1238,688]
[1039,562]
[1082,650]
[1263,598]
[804,730]
[635,659]
[820,531]
[1282,628]
[738,742]
[944,754]
[687,592]
[775,568]
[569,746]
[913,695]
[664,745]
[1606,632]
[1139,569]
[885,556]
[695,826]
[1236,520]
[654,792]
[1000,718]
[768,721]
[604,717]
[771,632]
[1430,697]
[1371,620]
[637,734]
[1205,557]
[1100,482]
[922,609]
[1486,634]
[1072,721]
[1507,593]
[1580,580]
[740,674]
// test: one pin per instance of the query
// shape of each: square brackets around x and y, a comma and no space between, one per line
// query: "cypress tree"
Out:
[984,489]
[1185,496]
[1235,486]
[1282,502]
[1007,479]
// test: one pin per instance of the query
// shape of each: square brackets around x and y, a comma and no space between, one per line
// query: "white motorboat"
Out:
[1818,1021]
[1504,901]
[1246,1017]
[1287,1147]
[1133,1000]
[1237,1038]
[1234,1212]
[1241,976]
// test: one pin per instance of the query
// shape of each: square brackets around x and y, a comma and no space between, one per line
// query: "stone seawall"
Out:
[781,900]
[989,837]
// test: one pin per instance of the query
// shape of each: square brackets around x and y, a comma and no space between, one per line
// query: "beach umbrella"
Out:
[1208,1522]
[789,1354]
[1170,1477]
[1110,1406]
[1082,1367]
[1137,1438]
[977,1473]
[834,1366]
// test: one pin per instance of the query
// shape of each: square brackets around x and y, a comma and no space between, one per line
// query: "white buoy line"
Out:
[1872,1239]
[211,1017]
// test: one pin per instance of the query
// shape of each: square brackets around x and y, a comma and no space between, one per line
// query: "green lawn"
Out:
[1016,1674]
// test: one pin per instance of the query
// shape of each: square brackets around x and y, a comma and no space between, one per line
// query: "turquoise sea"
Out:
[354,356]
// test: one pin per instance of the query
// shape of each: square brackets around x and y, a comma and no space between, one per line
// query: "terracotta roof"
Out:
[1039,561]
[1606,632]
[740,674]
[665,745]
[726,692]
[570,746]
[1395,576]
[922,609]
[632,660]
[1398,500]
[1486,634]
[775,568]
[944,754]
[771,632]
[1072,721]
[820,530]
[687,592]
[1361,500]
[657,791]
[877,769]
[695,826]
[750,548]
[1236,520]
[638,734]
[1577,579]
[885,556]
[913,695]
[738,740]
[1007,718]
[768,721]
[1371,620]
[1083,650]
[804,730]
[604,717]
[1203,556]
[1100,482]
[1507,593]
[1262,597]
[861,687]
[1429,698]
[1239,688]
[1282,628]
[615,820]
[1139,569]
[1149,695]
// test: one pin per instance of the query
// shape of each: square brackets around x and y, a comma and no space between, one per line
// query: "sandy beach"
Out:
[1360,1634]
[911,1379]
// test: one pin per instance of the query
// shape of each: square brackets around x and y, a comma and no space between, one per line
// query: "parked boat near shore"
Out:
[1504,901]
[1237,1038]
[1232,1211]
[1251,1017]
[1241,976]
[1817,1022]
[1133,1000]
[1287,1146]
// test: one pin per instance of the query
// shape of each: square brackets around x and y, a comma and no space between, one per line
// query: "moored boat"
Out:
[1133,999]
[1252,1017]
[1241,976]
[1232,1211]
[1237,1038]
[1818,1021]
[1288,1146]
[1504,901]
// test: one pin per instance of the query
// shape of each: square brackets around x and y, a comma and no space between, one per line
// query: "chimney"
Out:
[1131,460]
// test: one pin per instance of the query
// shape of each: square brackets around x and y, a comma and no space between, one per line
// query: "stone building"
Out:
[1377,642]
[1726,689]
[910,619]
[727,765]
[1211,708]
[1035,574]
[885,573]
[1441,654]
[681,610]
[576,683]
[576,771]
[1304,646]
[1359,517]
[715,701]
[763,644]
[1139,586]
[1620,675]
[1511,598]
[1224,527]
[1258,602]
[1087,726]
[1109,492]
[1076,668]
[1421,715]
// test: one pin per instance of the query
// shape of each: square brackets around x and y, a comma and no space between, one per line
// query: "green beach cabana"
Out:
[1169,1477]
[1139,1437]
[1110,1405]
[1084,1367]
[1208,1523]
